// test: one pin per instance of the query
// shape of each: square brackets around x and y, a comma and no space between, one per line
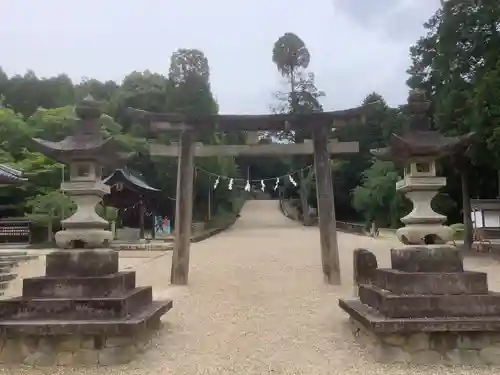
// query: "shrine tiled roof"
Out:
[10,175]
[129,176]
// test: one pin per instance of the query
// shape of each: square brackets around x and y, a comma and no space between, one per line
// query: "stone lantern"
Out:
[84,310]
[86,153]
[425,308]
[417,150]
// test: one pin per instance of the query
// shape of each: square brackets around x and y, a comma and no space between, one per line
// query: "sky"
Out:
[356,46]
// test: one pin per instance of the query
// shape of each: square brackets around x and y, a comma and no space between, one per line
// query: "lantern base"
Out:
[418,234]
[84,238]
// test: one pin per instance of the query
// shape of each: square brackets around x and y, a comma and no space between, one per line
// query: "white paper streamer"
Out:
[230,186]
[262,185]
[247,186]
[277,183]
[292,180]
[216,182]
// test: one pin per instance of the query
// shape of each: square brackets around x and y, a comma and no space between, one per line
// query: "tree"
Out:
[189,79]
[191,94]
[291,55]
[292,58]
[46,208]
[141,90]
[376,198]
[24,94]
[455,64]
[102,91]
[189,65]
[52,124]
[375,132]
[44,107]
[13,131]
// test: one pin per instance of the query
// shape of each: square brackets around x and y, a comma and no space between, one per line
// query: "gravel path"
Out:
[256,304]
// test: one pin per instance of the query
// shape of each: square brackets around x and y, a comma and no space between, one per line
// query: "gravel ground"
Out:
[256,304]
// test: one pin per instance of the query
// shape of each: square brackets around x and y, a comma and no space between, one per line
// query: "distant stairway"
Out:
[8,261]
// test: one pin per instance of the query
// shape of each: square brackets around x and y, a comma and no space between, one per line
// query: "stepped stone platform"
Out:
[82,312]
[427,309]
[8,261]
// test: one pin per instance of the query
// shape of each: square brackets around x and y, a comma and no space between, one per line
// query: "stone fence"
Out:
[354,228]
[289,210]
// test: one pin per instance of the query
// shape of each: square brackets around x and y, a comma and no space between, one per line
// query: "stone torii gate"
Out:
[188,127]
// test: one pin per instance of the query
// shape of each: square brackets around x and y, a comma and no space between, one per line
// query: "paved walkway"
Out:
[256,304]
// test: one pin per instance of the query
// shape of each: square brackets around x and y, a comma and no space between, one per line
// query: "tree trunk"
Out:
[141,219]
[303,191]
[303,198]
[498,174]
[50,235]
[466,208]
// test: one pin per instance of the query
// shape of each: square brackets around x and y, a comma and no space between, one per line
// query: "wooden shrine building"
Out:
[321,146]
[135,200]
[16,230]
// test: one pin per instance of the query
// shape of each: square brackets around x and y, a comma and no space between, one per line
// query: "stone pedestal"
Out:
[449,348]
[82,312]
[427,309]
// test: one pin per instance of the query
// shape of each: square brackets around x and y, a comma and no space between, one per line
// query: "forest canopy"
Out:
[457,63]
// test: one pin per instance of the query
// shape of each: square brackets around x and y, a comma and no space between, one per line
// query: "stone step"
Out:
[81,263]
[434,258]
[16,258]
[76,308]
[398,282]
[13,253]
[378,323]
[430,306]
[146,315]
[9,263]
[5,280]
[7,277]
[74,287]
[5,269]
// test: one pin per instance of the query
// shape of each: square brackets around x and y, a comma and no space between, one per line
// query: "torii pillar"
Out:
[326,206]
[183,209]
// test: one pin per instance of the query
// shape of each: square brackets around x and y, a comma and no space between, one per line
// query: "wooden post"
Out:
[141,219]
[153,226]
[326,207]
[183,210]
[209,216]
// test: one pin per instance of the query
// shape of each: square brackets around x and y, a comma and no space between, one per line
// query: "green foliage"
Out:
[457,64]
[110,213]
[290,54]
[13,131]
[381,122]
[44,108]
[47,207]
[52,124]
[189,80]
[376,198]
